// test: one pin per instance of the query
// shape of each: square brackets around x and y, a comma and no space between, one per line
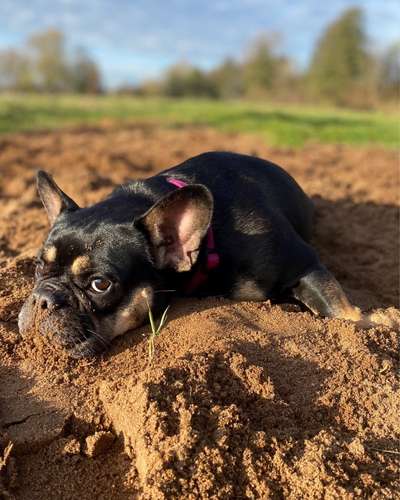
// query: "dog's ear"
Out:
[54,200]
[176,225]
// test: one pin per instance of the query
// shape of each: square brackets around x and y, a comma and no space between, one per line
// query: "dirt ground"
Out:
[242,400]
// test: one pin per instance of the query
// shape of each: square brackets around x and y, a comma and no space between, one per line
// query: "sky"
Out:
[136,40]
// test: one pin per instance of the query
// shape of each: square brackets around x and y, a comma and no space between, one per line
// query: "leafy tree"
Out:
[185,80]
[147,88]
[340,61]
[228,78]
[261,66]
[84,74]
[50,65]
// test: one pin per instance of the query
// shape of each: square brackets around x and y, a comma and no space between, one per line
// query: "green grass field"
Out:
[278,125]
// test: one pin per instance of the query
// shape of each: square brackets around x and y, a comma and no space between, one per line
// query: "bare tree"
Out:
[389,72]
[15,71]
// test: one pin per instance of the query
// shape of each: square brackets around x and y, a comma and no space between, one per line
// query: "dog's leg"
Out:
[322,294]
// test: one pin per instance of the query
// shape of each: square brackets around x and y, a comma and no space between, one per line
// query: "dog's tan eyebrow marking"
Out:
[50,254]
[80,264]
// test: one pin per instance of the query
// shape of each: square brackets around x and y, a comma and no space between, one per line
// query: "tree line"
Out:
[343,70]
[43,65]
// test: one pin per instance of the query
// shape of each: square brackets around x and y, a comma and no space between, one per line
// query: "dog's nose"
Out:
[49,299]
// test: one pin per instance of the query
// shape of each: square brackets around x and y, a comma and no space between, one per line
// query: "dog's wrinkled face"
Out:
[101,267]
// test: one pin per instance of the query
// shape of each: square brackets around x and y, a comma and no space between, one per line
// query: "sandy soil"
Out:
[242,400]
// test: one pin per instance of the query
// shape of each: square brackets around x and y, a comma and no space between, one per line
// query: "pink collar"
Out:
[200,276]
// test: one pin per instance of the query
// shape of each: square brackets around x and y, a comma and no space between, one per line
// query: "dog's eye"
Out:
[100,285]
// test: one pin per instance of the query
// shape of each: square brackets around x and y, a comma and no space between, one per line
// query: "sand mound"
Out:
[254,412]
[248,400]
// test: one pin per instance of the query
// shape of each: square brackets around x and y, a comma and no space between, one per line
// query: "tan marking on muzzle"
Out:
[135,313]
[247,290]
[80,264]
[50,254]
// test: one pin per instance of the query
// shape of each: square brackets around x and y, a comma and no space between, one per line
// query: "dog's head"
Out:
[101,267]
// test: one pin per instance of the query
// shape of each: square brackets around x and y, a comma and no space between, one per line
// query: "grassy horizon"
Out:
[279,125]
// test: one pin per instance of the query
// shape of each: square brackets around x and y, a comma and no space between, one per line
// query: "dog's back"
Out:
[250,187]
[262,219]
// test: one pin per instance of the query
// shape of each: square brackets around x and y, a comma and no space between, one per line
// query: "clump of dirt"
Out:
[241,399]
[99,443]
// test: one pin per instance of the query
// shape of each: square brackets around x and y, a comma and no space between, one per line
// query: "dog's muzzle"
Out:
[52,310]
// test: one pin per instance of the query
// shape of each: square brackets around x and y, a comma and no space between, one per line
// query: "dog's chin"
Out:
[69,329]
[74,333]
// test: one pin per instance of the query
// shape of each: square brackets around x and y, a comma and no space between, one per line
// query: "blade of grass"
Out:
[162,320]
[154,331]
[151,318]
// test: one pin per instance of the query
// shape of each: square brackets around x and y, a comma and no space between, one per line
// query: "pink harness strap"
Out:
[200,277]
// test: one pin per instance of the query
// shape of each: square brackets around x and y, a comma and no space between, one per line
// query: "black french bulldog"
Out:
[217,224]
